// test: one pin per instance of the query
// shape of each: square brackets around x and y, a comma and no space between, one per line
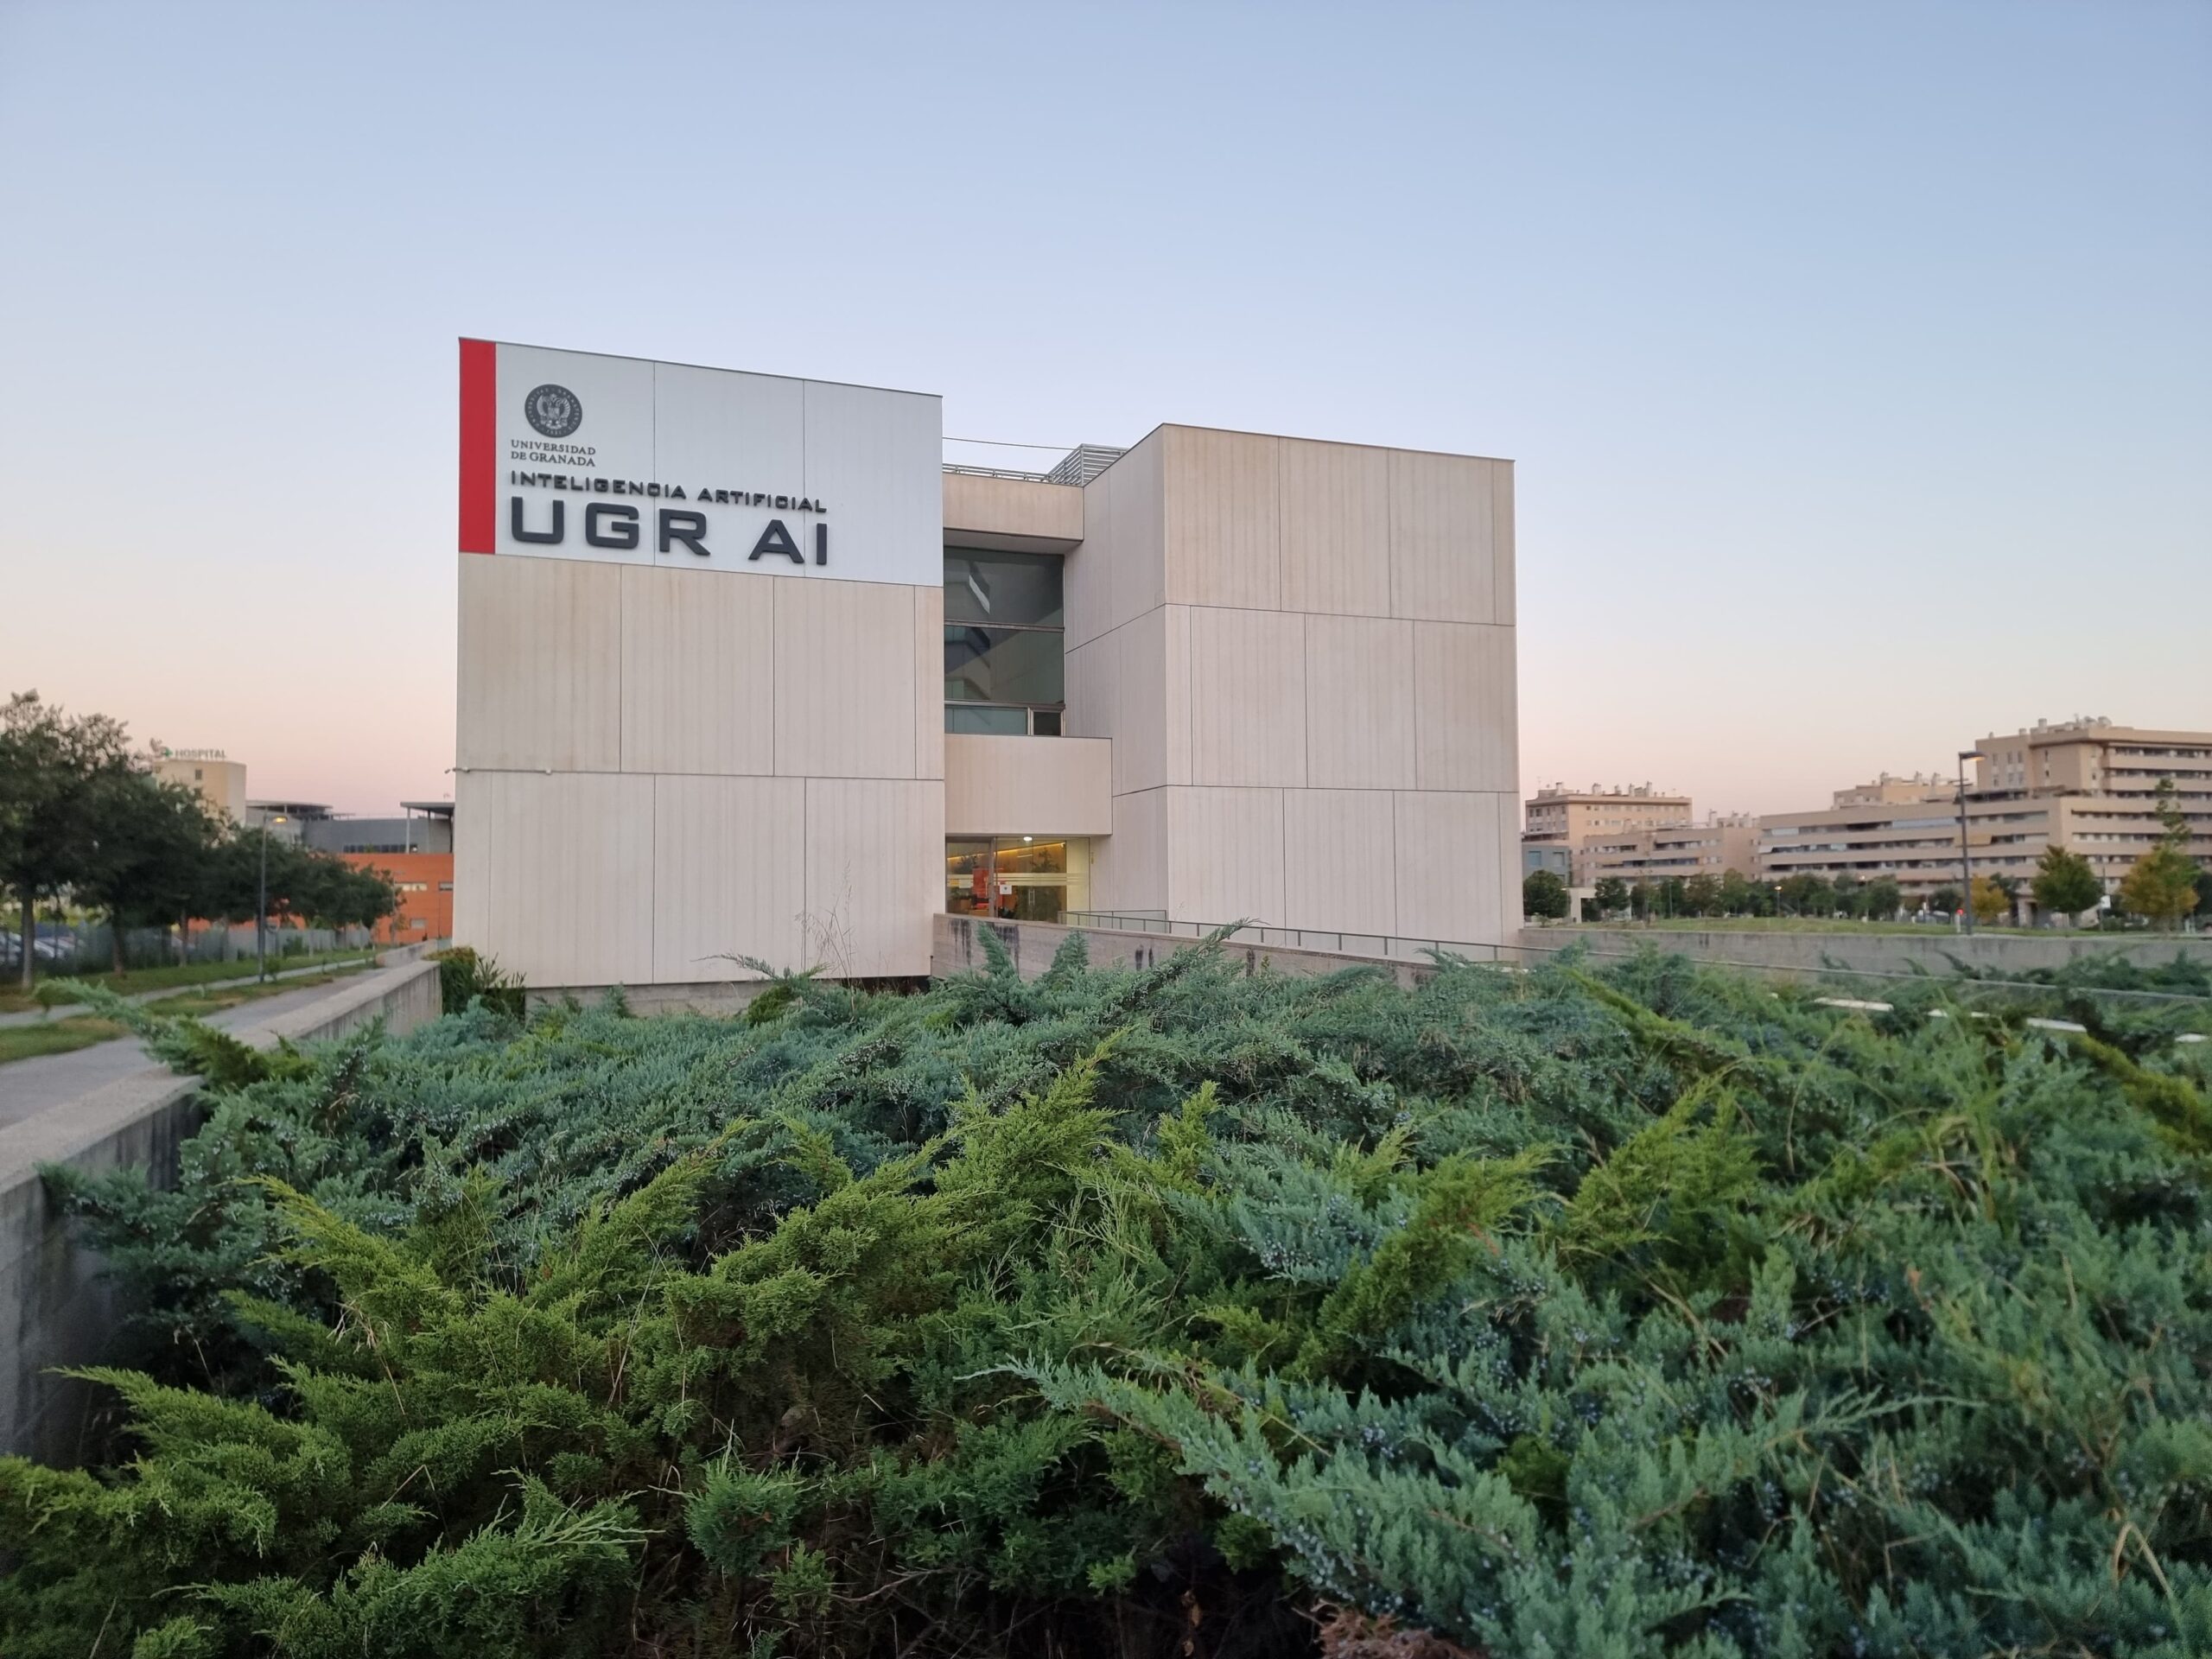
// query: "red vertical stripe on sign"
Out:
[479,446]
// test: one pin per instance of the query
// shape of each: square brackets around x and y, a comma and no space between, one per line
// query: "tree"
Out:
[1610,896]
[1849,891]
[2161,886]
[1702,895]
[2064,884]
[149,847]
[1806,895]
[1882,900]
[1991,901]
[1544,896]
[1945,901]
[1740,895]
[332,892]
[53,769]
[315,886]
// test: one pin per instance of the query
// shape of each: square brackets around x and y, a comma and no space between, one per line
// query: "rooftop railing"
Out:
[1078,467]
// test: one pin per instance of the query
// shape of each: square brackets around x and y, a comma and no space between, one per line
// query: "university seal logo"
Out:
[553,410]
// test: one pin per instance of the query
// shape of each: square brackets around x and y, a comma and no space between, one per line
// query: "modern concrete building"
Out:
[287,820]
[1723,842]
[1218,675]
[1558,816]
[420,827]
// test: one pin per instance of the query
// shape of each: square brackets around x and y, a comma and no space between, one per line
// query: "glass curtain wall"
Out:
[1005,636]
[1017,878]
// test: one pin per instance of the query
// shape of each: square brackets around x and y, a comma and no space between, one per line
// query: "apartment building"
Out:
[1559,816]
[1907,830]
[2099,782]
[1723,842]
[2087,785]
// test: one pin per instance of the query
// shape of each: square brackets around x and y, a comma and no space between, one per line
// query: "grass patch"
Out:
[82,1030]
[63,987]
[54,1037]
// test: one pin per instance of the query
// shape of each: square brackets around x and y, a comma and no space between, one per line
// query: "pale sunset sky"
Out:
[1856,357]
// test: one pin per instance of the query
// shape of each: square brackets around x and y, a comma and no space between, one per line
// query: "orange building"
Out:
[425,884]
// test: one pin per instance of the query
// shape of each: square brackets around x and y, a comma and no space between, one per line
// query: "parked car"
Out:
[59,946]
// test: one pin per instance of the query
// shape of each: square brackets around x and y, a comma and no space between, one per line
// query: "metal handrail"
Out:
[1396,948]
[1014,472]
[1382,946]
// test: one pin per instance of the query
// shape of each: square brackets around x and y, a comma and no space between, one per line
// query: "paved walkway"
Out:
[29,1087]
[63,1011]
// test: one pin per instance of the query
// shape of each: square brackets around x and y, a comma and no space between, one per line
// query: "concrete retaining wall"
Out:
[1032,944]
[1936,951]
[54,1308]
[714,996]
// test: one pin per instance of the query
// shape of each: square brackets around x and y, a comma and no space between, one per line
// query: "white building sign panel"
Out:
[622,460]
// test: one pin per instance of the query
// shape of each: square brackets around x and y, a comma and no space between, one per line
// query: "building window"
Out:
[1005,643]
[1017,878]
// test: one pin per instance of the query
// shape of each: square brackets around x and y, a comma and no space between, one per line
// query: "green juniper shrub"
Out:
[464,976]
[1168,1310]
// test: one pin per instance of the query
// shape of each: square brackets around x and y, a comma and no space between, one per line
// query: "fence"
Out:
[1995,973]
[86,948]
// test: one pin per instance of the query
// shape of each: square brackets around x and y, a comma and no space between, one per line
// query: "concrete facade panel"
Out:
[929,682]
[1119,573]
[1128,869]
[1225,854]
[727,854]
[1028,785]
[1339,860]
[1442,526]
[1151,689]
[1091,682]
[698,681]
[1452,868]
[1223,518]
[1507,601]
[541,664]
[1465,698]
[874,874]
[553,873]
[1087,573]
[1360,710]
[845,679]
[1248,697]
[1139,507]
[1336,528]
[1012,513]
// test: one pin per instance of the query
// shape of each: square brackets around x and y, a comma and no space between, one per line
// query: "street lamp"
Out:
[261,900]
[1965,857]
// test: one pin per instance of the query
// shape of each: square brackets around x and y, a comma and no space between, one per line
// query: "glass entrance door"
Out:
[1017,878]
